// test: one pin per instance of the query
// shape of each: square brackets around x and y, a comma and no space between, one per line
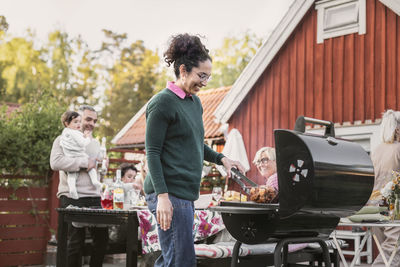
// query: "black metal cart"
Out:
[321,178]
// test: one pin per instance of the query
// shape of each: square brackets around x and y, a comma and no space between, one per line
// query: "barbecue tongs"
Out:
[238,177]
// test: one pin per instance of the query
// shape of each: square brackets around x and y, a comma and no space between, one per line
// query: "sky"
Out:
[152,21]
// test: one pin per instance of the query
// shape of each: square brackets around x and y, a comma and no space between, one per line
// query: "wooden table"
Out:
[98,217]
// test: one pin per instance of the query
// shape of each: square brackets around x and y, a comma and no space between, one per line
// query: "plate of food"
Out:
[232,195]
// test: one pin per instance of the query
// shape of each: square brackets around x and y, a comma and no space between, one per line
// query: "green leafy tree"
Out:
[22,69]
[85,75]
[3,30]
[3,26]
[231,59]
[72,75]
[27,135]
[60,52]
[64,65]
[131,80]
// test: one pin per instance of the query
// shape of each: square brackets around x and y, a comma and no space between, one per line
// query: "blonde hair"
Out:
[270,151]
[390,121]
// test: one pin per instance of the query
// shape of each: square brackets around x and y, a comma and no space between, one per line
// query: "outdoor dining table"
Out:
[140,224]
[98,217]
[369,226]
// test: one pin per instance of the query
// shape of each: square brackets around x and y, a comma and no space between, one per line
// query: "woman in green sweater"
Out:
[175,150]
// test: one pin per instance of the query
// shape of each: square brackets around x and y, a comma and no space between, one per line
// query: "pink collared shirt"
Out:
[177,90]
[273,181]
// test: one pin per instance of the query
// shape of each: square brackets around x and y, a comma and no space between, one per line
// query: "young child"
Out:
[73,143]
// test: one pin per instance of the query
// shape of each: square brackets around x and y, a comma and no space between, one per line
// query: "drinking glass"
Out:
[107,198]
[133,196]
[217,193]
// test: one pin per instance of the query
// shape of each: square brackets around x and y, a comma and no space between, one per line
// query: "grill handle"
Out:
[300,125]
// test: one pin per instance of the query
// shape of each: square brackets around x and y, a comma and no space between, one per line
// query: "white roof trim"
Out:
[129,124]
[394,5]
[261,60]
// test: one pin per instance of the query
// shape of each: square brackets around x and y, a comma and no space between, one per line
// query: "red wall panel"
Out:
[345,79]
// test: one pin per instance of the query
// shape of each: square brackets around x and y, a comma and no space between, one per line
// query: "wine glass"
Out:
[134,195]
[217,193]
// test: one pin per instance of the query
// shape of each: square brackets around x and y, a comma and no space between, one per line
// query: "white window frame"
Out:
[350,18]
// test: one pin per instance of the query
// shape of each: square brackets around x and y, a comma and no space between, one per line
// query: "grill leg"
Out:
[325,251]
[285,252]
[235,254]
[277,253]
[280,258]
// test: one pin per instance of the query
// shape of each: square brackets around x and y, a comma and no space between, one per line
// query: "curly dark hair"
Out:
[126,167]
[68,116]
[187,50]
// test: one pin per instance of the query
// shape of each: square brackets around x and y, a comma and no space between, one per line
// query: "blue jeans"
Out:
[177,244]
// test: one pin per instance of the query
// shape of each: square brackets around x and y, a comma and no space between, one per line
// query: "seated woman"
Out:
[265,161]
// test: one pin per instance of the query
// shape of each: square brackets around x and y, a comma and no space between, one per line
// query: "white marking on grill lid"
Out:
[300,163]
[292,168]
[298,171]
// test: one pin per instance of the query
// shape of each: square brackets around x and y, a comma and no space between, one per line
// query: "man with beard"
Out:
[88,194]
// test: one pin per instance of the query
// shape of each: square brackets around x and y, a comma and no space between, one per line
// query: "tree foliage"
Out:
[26,136]
[118,79]
[3,25]
[22,70]
[85,75]
[132,76]
[231,59]
[63,65]
[72,69]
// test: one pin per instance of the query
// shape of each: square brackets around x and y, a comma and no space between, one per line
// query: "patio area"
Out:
[118,260]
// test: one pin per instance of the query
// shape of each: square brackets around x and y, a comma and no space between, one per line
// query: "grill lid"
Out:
[321,173]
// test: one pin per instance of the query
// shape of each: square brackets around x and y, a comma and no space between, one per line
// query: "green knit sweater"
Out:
[175,146]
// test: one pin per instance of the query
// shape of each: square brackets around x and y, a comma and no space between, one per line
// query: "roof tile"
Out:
[210,99]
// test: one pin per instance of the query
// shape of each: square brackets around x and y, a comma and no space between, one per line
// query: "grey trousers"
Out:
[387,237]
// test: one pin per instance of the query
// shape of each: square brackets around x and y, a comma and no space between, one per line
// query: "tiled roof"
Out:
[210,99]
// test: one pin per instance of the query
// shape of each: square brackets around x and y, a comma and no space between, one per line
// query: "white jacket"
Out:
[73,143]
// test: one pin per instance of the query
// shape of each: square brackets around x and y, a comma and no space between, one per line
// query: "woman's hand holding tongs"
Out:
[229,164]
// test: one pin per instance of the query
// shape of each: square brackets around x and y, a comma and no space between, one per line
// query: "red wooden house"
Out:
[336,60]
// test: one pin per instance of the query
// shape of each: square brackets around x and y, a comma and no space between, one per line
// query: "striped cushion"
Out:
[330,244]
[217,251]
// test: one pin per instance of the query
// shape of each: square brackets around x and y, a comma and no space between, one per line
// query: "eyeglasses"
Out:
[203,76]
[262,161]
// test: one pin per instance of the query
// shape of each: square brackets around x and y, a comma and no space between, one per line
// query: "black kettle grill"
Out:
[320,178]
